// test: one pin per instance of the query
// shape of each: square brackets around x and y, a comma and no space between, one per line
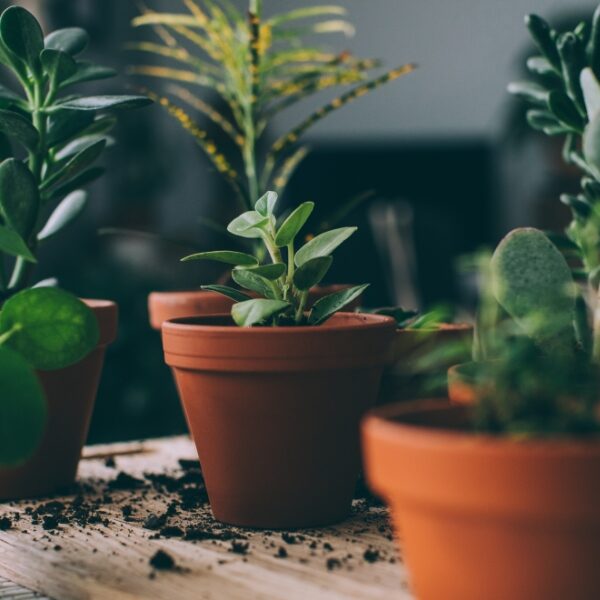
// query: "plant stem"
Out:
[8,334]
[301,305]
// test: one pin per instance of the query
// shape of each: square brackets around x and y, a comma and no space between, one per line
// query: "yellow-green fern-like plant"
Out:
[241,71]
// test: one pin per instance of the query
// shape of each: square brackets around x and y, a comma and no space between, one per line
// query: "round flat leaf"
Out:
[225,256]
[312,272]
[293,224]
[248,224]
[19,128]
[323,245]
[227,291]
[329,305]
[52,329]
[72,40]
[104,103]
[270,272]
[22,409]
[66,212]
[266,204]
[22,34]
[250,281]
[19,197]
[253,312]
[58,65]
[13,244]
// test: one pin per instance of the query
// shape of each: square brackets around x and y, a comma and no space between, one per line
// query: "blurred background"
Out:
[443,154]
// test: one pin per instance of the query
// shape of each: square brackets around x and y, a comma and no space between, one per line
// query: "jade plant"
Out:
[283,283]
[240,71]
[40,329]
[50,137]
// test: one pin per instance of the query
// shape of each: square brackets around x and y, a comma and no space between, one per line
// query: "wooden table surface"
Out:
[98,541]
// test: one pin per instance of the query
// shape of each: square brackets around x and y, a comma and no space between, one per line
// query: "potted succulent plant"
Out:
[50,139]
[248,70]
[273,392]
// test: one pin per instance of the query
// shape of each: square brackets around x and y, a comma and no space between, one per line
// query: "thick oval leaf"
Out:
[266,204]
[562,107]
[250,281]
[66,124]
[312,272]
[329,305]
[254,312]
[227,291]
[58,65]
[51,328]
[87,71]
[66,212]
[22,409]
[8,98]
[591,92]
[271,272]
[72,40]
[81,143]
[13,244]
[19,128]
[323,245]
[75,165]
[19,197]
[22,34]
[77,182]
[591,144]
[248,224]
[224,256]
[95,103]
[293,224]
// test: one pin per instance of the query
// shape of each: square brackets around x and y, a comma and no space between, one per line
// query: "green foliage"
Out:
[413,319]
[257,68]
[283,285]
[62,135]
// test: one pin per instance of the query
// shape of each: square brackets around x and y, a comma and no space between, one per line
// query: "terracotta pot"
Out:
[404,378]
[163,306]
[274,412]
[70,394]
[462,388]
[482,516]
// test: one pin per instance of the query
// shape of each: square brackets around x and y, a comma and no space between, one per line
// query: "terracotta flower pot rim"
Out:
[385,422]
[106,312]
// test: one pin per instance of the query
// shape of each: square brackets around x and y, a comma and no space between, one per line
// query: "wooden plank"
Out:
[110,558]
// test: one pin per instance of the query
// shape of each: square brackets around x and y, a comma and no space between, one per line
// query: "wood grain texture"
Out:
[354,560]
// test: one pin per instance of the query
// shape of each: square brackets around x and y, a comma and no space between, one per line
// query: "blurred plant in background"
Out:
[257,68]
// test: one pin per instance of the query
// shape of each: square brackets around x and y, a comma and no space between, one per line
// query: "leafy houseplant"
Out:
[50,139]
[240,72]
[284,284]
[274,385]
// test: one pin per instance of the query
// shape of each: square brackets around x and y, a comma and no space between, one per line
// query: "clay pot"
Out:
[462,387]
[274,412]
[163,306]
[482,516]
[404,378]
[70,396]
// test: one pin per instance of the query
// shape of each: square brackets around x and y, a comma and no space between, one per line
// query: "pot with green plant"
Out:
[240,72]
[50,139]
[499,499]
[273,392]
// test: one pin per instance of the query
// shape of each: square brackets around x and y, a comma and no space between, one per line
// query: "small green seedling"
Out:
[282,285]
[40,329]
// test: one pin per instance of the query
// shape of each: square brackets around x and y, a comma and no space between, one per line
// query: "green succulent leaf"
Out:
[8,98]
[542,34]
[66,124]
[541,66]
[542,120]
[329,305]
[591,92]
[224,256]
[248,225]
[323,245]
[293,224]
[266,204]
[591,144]
[312,272]
[573,61]
[227,291]
[595,43]
[71,40]
[50,328]
[248,280]
[22,409]
[271,272]
[257,311]
[529,91]
[66,212]
[87,71]
[19,128]
[14,245]
[22,35]
[97,103]
[77,182]
[58,65]
[562,107]
[19,197]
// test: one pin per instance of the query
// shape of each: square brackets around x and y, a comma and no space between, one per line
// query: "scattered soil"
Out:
[162,561]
